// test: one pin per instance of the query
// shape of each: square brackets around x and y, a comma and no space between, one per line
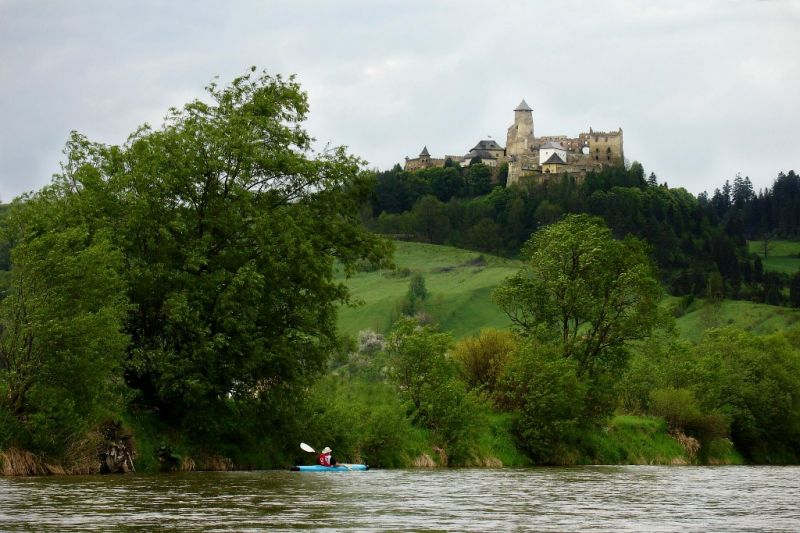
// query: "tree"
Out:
[502,174]
[61,339]
[431,221]
[549,401]
[415,296]
[794,290]
[584,290]
[754,381]
[231,227]
[479,179]
[426,378]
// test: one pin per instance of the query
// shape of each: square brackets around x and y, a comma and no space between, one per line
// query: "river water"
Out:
[597,498]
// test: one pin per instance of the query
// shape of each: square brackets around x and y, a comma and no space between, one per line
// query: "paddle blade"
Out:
[306,447]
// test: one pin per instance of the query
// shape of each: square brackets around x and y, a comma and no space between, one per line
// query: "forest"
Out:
[176,298]
[698,243]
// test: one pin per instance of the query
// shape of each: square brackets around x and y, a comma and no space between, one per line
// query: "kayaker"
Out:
[325,458]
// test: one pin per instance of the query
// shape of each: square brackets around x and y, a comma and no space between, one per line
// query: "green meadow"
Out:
[782,256]
[753,317]
[460,282]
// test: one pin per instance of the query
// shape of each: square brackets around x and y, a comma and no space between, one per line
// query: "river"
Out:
[596,498]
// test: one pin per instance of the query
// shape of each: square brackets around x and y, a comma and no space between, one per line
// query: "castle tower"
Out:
[520,138]
[424,155]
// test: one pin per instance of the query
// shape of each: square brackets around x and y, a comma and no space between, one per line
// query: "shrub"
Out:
[482,359]
[542,388]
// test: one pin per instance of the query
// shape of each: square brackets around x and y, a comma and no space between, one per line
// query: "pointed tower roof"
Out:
[523,106]
[424,152]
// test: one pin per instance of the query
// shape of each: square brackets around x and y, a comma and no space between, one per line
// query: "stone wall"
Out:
[605,148]
[420,163]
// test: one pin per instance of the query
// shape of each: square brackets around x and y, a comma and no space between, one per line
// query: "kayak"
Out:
[337,468]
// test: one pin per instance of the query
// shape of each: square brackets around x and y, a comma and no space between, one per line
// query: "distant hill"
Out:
[459,283]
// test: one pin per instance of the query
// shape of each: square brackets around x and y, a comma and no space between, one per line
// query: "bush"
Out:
[436,399]
[362,422]
[755,382]
[677,406]
[542,388]
[482,359]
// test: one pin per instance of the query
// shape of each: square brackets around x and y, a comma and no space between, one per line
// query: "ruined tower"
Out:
[520,139]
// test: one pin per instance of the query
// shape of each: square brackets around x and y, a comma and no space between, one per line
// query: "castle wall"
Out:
[605,148]
[420,163]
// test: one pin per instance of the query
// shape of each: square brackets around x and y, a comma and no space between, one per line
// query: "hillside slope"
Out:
[459,284]
[754,317]
[782,256]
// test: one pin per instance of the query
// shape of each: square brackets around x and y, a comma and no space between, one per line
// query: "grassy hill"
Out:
[459,284]
[782,256]
[754,317]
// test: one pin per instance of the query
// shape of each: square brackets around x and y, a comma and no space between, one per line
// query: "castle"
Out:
[537,158]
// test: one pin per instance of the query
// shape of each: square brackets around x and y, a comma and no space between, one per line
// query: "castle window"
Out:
[596,158]
[608,157]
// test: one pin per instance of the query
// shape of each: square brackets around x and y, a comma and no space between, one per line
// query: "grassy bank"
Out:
[645,440]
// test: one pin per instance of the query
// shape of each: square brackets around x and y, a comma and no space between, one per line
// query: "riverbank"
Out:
[627,440]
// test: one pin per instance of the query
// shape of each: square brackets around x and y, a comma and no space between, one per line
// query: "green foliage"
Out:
[794,291]
[61,344]
[755,382]
[427,381]
[547,397]
[230,230]
[635,440]
[479,179]
[414,300]
[362,422]
[221,230]
[482,358]
[732,383]
[583,289]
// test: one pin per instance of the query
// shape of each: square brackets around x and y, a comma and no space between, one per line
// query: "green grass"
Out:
[753,317]
[782,256]
[638,440]
[460,295]
[459,288]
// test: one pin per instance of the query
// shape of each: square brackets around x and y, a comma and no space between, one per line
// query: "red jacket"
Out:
[324,459]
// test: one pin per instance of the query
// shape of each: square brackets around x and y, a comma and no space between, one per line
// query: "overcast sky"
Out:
[702,90]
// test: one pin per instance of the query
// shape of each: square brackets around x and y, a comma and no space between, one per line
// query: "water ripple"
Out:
[627,498]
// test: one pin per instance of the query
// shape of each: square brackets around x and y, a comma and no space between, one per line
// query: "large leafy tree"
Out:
[584,290]
[231,228]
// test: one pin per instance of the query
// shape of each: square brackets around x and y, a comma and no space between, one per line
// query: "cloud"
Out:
[702,89]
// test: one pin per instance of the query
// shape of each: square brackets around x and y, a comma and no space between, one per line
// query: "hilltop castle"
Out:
[537,158]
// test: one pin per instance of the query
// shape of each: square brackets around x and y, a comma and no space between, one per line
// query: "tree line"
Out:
[698,243]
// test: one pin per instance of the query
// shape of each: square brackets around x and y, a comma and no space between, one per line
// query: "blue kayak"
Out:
[337,468]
